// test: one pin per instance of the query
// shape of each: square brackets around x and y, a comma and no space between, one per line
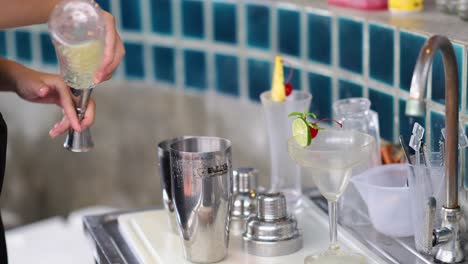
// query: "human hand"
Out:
[45,88]
[113,50]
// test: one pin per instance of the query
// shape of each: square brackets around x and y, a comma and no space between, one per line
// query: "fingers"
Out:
[63,125]
[112,52]
[66,102]
[118,56]
[88,119]
[60,127]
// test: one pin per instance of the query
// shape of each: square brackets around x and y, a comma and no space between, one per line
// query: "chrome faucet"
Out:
[447,237]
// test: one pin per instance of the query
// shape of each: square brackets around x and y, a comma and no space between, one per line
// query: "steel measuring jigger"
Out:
[201,191]
[164,164]
[244,185]
[272,232]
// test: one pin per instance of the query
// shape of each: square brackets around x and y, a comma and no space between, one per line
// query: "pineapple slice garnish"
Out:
[278,93]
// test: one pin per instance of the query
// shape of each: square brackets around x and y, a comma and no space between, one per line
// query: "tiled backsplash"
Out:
[228,47]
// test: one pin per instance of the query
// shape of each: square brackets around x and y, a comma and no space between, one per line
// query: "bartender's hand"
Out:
[39,87]
[113,50]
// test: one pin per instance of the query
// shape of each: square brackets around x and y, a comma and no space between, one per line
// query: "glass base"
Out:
[336,257]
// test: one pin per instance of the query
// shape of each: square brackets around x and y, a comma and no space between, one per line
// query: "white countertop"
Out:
[54,240]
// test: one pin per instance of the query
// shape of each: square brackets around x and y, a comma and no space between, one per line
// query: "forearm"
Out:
[17,13]
[9,72]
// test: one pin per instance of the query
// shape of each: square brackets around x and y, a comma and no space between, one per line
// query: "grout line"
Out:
[365,53]
[335,59]
[396,81]
[242,40]
[10,44]
[36,50]
[179,63]
[147,48]
[273,28]
[209,29]
[304,50]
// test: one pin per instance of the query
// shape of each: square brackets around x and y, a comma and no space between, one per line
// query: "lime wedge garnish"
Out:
[301,132]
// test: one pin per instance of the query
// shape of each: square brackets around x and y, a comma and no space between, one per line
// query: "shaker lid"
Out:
[244,180]
[272,232]
[271,206]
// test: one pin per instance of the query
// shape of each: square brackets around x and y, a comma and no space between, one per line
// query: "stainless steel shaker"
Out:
[164,159]
[201,191]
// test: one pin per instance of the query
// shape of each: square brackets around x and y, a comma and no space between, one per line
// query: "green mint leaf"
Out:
[296,114]
[313,115]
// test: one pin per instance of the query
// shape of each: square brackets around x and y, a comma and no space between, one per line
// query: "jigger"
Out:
[80,141]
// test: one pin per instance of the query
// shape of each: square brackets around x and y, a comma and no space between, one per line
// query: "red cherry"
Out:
[288,87]
[313,132]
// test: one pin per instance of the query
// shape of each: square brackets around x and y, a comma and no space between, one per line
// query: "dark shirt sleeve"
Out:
[3,146]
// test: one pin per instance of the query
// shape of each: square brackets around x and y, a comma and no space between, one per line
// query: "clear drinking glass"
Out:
[330,160]
[355,114]
[77,28]
[285,174]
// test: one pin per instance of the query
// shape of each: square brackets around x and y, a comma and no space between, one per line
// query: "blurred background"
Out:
[196,67]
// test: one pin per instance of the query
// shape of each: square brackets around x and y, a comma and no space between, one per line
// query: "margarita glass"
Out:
[330,159]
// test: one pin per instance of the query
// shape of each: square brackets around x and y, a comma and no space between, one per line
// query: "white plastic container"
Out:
[387,198]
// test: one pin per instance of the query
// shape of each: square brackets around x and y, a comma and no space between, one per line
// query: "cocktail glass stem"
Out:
[333,216]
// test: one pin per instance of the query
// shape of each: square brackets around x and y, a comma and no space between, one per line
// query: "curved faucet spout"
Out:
[416,105]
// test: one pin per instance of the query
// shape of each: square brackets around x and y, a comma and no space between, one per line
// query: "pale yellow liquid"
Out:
[80,63]
[331,182]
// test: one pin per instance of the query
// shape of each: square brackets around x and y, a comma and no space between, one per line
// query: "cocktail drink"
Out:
[277,104]
[285,174]
[330,159]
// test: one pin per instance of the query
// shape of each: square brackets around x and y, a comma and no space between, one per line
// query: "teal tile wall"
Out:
[225,22]
[47,50]
[319,38]
[227,70]
[195,69]
[321,87]
[258,77]
[258,26]
[193,19]
[164,64]
[382,103]
[289,28]
[350,44]
[381,53]
[410,45]
[349,89]
[161,21]
[438,78]
[23,45]
[133,62]
[228,47]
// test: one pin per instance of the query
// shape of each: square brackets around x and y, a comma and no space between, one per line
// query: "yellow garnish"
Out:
[278,93]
